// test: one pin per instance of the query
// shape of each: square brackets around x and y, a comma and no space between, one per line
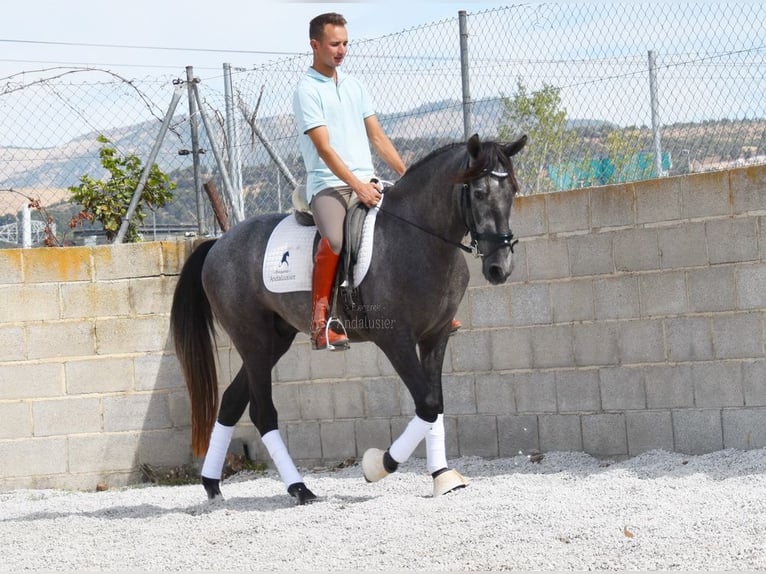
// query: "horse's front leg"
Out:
[445,479]
[377,464]
[423,380]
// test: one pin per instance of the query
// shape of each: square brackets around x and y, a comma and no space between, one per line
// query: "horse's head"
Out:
[489,185]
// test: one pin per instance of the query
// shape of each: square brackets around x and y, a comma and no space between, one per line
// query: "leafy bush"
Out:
[107,201]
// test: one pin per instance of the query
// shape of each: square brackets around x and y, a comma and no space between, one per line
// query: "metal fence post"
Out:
[236,206]
[195,151]
[232,139]
[26,226]
[148,166]
[463,20]
[655,113]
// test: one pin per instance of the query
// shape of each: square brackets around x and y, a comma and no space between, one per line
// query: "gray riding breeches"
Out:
[329,207]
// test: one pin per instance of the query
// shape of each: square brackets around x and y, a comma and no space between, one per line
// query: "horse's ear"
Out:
[474,146]
[513,148]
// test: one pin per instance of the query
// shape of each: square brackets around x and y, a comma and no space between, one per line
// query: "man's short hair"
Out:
[316,26]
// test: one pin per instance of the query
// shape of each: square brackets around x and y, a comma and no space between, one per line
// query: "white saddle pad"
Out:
[288,260]
[365,249]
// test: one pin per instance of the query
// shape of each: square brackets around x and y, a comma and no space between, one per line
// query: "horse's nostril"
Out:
[496,274]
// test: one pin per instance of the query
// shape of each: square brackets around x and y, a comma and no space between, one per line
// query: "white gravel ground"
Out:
[657,511]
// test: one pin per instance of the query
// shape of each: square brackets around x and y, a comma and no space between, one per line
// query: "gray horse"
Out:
[415,282]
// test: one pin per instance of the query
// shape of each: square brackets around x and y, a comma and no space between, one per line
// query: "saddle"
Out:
[352,242]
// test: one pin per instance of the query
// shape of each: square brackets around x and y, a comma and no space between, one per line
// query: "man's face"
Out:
[331,49]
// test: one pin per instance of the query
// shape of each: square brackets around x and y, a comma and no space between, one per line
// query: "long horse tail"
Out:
[191,323]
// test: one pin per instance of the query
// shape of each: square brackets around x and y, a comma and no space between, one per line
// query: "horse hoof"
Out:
[212,487]
[372,465]
[447,481]
[300,491]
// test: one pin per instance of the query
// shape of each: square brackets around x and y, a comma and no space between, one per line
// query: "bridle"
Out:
[499,239]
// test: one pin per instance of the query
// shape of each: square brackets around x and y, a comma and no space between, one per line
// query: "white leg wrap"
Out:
[215,458]
[436,450]
[282,460]
[403,447]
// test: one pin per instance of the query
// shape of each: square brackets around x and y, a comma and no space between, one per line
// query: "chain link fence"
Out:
[607,92]
[49,124]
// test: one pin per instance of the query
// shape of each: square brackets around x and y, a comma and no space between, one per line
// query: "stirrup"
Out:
[324,333]
[330,347]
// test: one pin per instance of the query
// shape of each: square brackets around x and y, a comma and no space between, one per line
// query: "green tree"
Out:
[107,201]
[540,115]
[623,147]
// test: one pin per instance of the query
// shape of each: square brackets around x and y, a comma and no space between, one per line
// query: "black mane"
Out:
[433,153]
[491,153]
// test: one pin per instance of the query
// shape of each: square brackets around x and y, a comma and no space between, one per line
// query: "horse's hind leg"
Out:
[262,410]
[281,458]
[233,404]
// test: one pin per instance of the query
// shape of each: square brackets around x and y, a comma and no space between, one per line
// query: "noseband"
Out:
[499,239]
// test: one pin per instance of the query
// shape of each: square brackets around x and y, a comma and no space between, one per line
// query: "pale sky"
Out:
[141,38]
[157,39]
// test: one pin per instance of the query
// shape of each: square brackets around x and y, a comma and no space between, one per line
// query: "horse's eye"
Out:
[480,193]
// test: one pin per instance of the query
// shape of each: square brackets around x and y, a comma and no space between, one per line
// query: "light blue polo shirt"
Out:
[342,107]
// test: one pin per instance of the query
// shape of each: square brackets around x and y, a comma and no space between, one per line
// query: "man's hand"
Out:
[368,193]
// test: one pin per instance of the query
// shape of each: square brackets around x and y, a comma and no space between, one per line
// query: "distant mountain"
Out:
[55,167]
[415,131]
[61,167]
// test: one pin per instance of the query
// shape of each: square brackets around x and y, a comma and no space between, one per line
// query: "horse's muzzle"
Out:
[497,272]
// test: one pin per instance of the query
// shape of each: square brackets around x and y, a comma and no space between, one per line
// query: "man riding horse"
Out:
[461,188]
[337,124]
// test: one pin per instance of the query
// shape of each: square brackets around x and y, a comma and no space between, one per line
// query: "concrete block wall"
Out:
[89,386]
[634,320]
